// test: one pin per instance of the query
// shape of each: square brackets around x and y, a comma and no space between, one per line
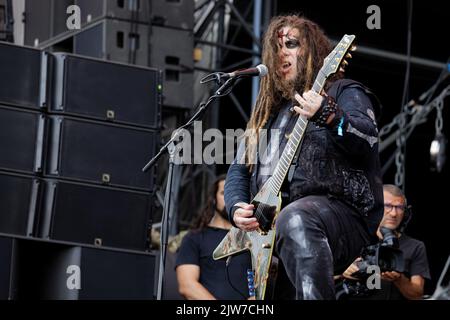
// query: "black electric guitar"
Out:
[267,202]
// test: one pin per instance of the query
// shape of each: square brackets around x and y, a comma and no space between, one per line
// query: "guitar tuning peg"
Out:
[345,63]
[348,55]
[341,69]
[353,48]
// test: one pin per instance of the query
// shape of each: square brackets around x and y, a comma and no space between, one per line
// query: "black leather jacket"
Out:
[342,166]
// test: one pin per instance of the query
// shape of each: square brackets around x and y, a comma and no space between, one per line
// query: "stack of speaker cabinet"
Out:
[75,206]
[6,21]
[153,33]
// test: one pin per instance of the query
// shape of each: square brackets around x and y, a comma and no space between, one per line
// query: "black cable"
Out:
[229,280]
[408,58]
[406,88]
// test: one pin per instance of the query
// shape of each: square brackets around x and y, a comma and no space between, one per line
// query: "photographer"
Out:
[395,285]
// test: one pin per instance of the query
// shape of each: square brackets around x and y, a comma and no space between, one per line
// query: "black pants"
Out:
[316,238]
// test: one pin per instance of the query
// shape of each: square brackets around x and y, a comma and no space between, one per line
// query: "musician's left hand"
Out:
[310,102]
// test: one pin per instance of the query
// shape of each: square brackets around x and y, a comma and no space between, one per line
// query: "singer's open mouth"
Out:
[286,66]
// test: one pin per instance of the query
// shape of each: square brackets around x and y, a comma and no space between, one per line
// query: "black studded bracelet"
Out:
[327,107]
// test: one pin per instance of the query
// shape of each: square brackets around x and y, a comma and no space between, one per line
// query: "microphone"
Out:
[260,71]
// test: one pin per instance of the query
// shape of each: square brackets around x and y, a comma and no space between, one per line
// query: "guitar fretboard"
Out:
[293,143]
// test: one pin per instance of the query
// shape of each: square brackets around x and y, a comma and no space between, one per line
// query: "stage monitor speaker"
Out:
[61,271]
[173,13]
[131,277]
[117,275]
[3,19]
[130,10]
[22,77]
[6,21]
[45,19]
[167,13]
[6,268]
[99,152]
[19,198]
[106,91]
[170,50]
[115,40]
[21,140]
[96,215]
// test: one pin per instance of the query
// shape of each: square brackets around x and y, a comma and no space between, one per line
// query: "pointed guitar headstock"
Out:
[335,61]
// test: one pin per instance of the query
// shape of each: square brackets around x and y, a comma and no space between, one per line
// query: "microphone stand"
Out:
[170,148]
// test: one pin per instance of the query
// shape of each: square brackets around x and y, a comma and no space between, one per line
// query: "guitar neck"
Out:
[293,143]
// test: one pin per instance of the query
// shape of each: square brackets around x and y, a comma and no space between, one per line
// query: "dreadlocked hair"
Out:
[317,46]
[209,209]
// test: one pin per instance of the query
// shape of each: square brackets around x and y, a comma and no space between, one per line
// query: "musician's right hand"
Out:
[243,217]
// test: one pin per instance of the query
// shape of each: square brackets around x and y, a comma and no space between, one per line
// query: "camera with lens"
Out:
[385,254]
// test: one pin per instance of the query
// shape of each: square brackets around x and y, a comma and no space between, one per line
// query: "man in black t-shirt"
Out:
[199,276]
[394,285]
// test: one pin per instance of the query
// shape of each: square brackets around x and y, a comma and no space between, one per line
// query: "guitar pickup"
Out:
[265,214]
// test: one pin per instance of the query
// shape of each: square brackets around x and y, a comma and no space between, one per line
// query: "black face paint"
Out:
[292,43]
